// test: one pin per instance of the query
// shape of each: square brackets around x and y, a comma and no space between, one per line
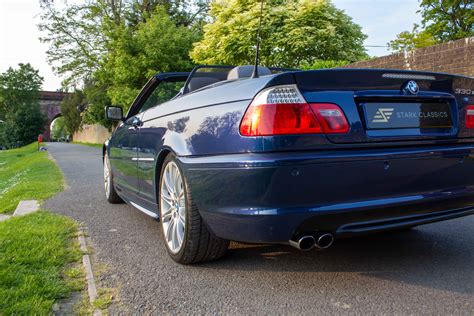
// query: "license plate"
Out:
[407,115]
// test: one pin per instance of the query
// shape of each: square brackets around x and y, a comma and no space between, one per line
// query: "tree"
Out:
[442,21]
[58,129]
[19,105]
[71,108]
[97,99]
[293,32]
[111,47]
[79,35]
[448,20]
[75,38]
[324,64]
[157,45]
[417,38]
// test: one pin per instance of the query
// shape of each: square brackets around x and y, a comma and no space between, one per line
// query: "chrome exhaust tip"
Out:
[324,241]
[304,243]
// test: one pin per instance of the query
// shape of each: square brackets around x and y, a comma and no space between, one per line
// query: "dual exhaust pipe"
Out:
[306,242]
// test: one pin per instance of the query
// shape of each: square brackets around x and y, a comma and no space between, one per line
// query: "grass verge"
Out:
[88,144]
[35,253]
[26,173]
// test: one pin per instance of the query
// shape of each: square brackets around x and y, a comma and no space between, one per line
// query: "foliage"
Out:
[19,105]
[75,40]
[112,47]
[79,35]
[58,130]
[71,108]
[293,32]
[23,125]
[25,174]
[18,87]
[448,20]
[417,38]
[442,21]
[34,252]
[157,45]
[324,64]
[96,95]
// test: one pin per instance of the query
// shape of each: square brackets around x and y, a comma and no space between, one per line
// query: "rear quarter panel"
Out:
[207,122]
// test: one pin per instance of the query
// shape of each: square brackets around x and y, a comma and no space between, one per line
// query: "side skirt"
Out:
[144,210]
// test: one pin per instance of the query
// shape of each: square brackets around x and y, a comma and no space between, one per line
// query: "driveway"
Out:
[429,270]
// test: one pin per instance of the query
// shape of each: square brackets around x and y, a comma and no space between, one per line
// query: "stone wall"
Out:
[456,57]
[95,134]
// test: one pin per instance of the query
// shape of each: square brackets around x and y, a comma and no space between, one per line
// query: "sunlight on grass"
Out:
[34,252]
[27,174]
[88,144]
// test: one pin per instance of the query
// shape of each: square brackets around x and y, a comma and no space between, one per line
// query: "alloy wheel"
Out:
[107,181]
[173,207]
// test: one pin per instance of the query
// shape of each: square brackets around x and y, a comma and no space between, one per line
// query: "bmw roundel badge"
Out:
[411,87]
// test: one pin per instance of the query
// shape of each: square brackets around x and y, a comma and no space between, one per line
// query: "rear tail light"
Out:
[282,110]
[470,116]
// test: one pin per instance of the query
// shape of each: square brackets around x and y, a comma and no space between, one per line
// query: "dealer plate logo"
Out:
[382,115]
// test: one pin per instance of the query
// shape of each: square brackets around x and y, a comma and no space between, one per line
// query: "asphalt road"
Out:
[429,270]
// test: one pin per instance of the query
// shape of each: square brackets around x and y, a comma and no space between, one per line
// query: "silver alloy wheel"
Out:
[173,207]
[107,179]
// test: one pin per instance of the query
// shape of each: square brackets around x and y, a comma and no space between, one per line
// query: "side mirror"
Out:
[113,113]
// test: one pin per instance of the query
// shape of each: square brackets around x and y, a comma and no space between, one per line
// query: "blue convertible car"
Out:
[292,157]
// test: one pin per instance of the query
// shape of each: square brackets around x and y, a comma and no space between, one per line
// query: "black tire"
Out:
[110,193]
[199,243]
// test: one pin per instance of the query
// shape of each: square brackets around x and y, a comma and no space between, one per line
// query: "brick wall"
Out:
[96,134]
[456,57]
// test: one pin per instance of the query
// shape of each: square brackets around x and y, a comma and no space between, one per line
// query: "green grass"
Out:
[88,144]
[27,174]
[35,253]
[104,299]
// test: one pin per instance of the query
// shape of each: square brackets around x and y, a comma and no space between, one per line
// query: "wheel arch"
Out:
[160,159]
[104,149]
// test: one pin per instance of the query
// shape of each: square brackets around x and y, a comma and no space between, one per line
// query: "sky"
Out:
[381,20]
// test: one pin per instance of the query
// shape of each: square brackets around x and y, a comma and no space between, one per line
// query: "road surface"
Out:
[429,270]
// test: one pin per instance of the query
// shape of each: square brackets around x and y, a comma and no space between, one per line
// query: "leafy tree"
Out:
[412,40]
[97,98]
[442,21]
[157,45]
[19,105]
[324,64]
[79,35]
[448,20]
[111,47]
[75,38]
[18,87]
[294,32]
[71,108]
[58,129]
[23,126]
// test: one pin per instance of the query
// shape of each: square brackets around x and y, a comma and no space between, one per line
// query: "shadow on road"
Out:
[417,257]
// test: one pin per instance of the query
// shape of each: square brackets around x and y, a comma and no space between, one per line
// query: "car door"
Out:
[124,147]
[167,86]
[123,156]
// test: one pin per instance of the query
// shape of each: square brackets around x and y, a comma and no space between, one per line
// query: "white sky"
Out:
[381,20]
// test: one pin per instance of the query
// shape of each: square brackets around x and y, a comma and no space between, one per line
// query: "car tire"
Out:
[110,193]
[179,216]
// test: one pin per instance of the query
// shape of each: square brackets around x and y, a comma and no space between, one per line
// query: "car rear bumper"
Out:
[273,197]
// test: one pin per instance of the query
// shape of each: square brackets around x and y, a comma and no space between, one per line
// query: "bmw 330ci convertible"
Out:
[292,157]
